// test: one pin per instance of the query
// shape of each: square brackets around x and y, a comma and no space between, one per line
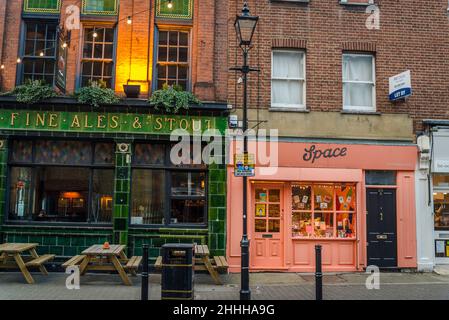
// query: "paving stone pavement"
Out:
[265,286]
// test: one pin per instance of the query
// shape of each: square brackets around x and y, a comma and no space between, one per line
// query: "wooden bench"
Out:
[158,263]
[38,262]
[133,264]
[76,260]
[221,264]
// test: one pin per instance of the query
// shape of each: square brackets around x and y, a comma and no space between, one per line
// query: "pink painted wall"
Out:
[338,255]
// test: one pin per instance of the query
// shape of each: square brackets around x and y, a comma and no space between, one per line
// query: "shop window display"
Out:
[441,209]
[323,211]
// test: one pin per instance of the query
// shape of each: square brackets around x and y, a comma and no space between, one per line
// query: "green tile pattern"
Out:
[42,6]
[63,242]
[100,7]
[122,186]
[217,209]
[3,180]
[182,9]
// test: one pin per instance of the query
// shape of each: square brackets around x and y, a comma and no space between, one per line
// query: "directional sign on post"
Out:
[244,165]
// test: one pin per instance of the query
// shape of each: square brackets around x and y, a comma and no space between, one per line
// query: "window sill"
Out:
[323,239]
[290,1]
[350,3]
[355,112]
[63,225]
[279,109]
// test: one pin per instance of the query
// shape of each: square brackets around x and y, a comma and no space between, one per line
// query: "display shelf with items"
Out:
[323,211]
[441,209]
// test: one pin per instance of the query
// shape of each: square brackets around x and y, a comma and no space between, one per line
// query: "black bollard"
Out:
[144,291]
[318,274]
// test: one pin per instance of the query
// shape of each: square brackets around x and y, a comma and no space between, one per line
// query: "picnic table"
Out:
[110,259]
[11,256]
[203,262]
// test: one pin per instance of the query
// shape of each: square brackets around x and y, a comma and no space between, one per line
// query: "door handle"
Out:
[381,216]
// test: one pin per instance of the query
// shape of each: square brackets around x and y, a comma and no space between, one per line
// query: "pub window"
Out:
[61,181]
[324,211]
[98,56]
[39,52]
[179,9]
[163,193]
[42,6]
[173,59]
[99,7]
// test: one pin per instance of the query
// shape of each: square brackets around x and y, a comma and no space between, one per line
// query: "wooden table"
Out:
[15,250]
[101,259]
[202,255]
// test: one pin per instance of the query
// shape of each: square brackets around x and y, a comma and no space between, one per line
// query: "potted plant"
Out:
[172,99]
[132,90]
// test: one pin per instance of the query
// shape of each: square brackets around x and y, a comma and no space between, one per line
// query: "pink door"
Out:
[267,228]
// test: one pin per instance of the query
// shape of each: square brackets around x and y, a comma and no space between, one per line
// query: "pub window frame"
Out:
[168,168]
[34,165]
[103,61]
[35,56]
[157,63]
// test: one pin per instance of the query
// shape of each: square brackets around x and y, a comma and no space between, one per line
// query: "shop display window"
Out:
[441,210]
[324,211]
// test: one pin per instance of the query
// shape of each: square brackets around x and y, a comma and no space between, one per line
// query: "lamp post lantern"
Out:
[245,26]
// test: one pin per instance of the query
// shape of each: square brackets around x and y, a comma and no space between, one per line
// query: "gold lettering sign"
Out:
[106,122]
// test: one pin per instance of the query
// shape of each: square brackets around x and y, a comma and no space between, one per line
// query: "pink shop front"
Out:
[356,200]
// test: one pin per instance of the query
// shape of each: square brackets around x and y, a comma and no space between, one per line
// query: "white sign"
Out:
[441,165]
[400,86]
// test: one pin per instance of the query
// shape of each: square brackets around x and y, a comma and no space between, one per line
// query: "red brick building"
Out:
[324,84]
[134,50]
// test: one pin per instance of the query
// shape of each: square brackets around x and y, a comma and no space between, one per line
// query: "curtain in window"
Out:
[288,76]
[358,81]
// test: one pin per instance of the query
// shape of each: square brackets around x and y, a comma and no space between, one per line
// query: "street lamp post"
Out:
[245,25]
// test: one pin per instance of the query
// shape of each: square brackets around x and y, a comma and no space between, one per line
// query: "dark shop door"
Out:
[381,227]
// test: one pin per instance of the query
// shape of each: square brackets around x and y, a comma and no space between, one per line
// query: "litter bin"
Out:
[177,272]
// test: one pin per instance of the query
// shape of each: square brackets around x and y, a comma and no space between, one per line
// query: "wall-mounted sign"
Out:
[440,151]
[61,65]
[400,86]
[244,165]
[313,153]
[106,122]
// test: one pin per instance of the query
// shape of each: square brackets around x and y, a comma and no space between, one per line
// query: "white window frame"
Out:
[302,80]
[373,83]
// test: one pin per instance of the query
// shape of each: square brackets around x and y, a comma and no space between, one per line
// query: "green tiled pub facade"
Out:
[37,206]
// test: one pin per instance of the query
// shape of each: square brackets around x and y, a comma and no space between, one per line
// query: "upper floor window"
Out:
[174,9]
[359,82]
[42,6]
[288,79]
[173,59]
[98,56]
[39,52]
[100,7]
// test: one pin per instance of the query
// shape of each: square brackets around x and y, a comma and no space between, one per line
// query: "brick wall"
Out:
[412,36]
[10,51]
[135,48]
